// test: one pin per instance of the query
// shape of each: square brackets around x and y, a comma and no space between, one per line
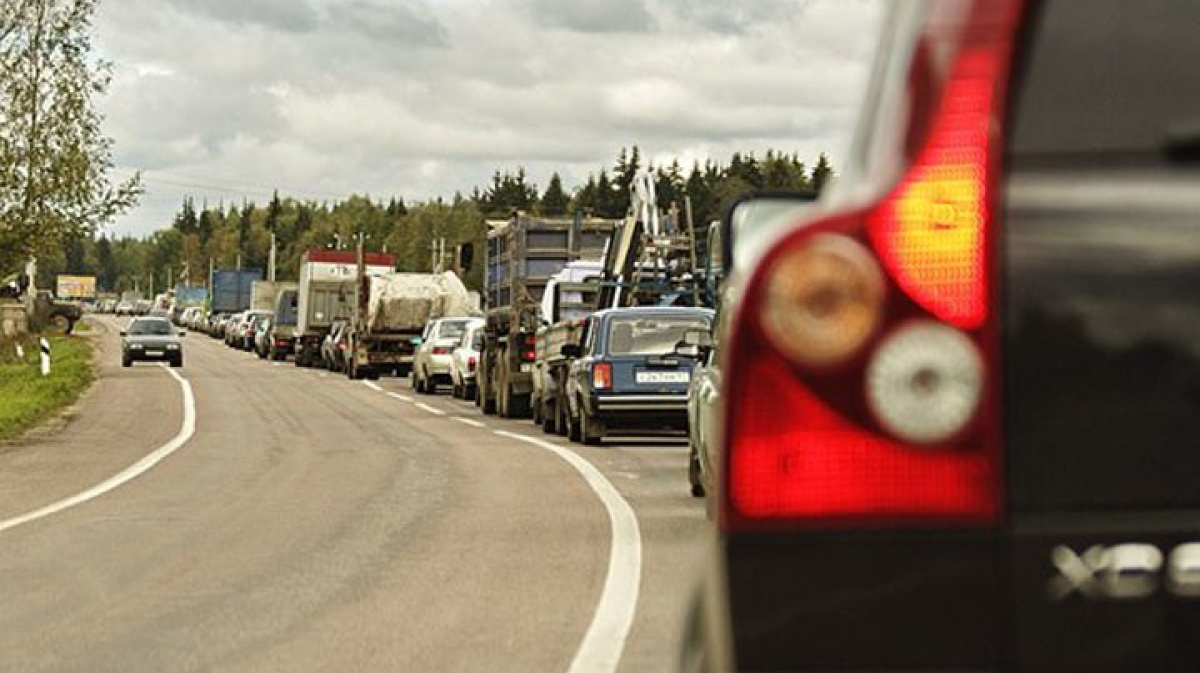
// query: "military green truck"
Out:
[523,253]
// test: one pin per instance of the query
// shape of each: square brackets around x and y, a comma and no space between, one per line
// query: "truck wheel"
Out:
[518,405]
[549,419]
[372,374]
[591,431]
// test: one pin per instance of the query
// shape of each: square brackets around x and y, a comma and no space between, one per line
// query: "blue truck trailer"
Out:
[233,290]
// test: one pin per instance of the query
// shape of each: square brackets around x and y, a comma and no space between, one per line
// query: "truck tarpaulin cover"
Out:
[403,302]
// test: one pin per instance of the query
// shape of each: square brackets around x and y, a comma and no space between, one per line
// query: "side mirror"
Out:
[124,333]
[699,338]
[572,351]
[687,350]
[755,212]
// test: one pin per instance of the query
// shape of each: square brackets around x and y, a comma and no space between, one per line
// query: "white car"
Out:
[431,364]
[464,359]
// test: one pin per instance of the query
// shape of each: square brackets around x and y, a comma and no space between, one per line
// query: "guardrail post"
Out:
[45,343]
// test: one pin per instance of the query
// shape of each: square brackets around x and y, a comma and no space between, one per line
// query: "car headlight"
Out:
[172,347]
[136,347]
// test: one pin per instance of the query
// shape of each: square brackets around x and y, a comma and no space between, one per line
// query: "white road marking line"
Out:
[128,474]
[467,421]
[372,385]
[398,396]
[604,642]
[322,374]
[432,410]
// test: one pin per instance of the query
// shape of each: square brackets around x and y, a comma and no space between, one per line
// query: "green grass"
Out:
[28,398]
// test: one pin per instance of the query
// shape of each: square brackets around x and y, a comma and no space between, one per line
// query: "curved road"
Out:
[318,524]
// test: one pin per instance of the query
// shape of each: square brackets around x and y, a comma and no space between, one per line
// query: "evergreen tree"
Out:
[186,221]
[608,203]
[106,265]
[822,173]
[554,202]
[627,167]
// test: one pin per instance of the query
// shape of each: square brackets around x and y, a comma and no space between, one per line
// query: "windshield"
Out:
[650,336]
[452,329]
[285,311]
[152,327]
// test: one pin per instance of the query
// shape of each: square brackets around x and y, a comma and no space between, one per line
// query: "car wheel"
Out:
[549,419]
[126,362]
[694,476]
[591,431]
[177,362]
[573,430]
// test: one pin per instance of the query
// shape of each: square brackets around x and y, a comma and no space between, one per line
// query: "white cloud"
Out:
[226,99]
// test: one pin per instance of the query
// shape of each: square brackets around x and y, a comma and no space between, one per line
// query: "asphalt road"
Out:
[312,523]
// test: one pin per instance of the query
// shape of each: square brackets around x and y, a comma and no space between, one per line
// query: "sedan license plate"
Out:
[154,354]
[663,377]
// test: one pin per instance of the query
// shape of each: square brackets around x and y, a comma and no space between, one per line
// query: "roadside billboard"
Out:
[76,287]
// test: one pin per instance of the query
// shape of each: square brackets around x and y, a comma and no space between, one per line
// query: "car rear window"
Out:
[452,329]
[1109,76]
[651,335]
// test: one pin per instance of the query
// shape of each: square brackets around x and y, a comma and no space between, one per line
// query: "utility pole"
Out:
[271,260]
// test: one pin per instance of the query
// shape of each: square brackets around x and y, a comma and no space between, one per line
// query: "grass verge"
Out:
[28,398]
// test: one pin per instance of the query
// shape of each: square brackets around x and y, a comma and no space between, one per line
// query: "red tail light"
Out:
[886,384]
[602,376]
[529,352]
[440,350]
[471,364]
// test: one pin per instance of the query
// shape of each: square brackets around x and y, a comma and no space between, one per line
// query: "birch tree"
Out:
[55,160]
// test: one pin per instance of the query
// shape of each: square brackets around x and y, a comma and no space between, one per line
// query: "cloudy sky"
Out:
[230,99]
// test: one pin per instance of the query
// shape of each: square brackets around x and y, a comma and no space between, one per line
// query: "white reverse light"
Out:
[925,382]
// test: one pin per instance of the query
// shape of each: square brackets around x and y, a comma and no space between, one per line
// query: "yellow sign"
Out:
[76,287]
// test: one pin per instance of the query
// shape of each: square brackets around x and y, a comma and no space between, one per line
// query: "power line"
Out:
[243,188]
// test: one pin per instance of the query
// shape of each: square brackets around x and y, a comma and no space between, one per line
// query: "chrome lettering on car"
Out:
[1125,572]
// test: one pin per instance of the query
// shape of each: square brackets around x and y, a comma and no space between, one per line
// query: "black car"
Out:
[961,401]
[151,339]
[627,376]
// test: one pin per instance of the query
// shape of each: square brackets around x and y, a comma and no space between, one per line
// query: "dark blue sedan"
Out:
[628,377]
